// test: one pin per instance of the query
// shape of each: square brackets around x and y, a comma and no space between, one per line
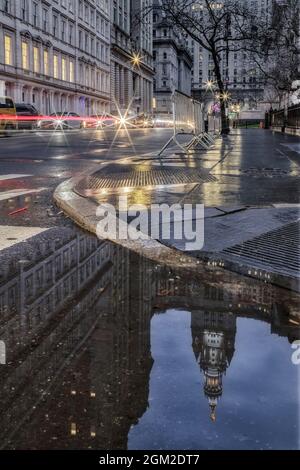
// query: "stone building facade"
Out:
[56,54]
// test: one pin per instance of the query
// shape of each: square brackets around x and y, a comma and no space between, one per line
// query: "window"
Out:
[80,8]
[36,62]
[71,71]
[24,7]
[55,66]
[46,63]
[71,33]
[6,6]
[63,69]
[25,63]
[7,50]
[63,30]
[35,13]
[45,19]
[54,25]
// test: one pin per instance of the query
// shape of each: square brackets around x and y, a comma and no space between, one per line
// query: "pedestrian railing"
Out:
[293,116]
[278,118]
[188,120]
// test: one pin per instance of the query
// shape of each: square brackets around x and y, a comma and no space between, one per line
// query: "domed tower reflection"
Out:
[213,335]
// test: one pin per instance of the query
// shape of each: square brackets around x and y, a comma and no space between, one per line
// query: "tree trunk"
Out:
[224,120]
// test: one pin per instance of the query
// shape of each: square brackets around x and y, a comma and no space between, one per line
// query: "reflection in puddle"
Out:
[218,384]
[105,350]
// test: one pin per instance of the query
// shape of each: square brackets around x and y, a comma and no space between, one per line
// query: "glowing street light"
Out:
[225,96]
[209,85]
[136,59]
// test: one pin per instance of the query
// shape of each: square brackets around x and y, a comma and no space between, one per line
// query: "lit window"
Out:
[8,50]
[36,65]
[46,63]
[73,429]
[55,66]
[25,64]
[63,69]
[71,72]
[93,431]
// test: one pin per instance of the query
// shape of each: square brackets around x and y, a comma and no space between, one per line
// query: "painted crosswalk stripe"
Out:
[18,192]
[10,235]
[13,176]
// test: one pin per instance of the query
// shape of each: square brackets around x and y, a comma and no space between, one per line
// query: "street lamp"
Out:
[209,85]
[136,59]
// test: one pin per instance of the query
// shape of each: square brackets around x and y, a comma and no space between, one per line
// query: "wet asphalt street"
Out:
[32,165]
[260,168]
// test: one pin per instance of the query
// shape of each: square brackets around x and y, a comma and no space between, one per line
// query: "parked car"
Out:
[7,115]
[143,121]
[61,121]
[30,115]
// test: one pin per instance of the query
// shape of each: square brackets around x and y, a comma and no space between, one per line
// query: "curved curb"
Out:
[83,212]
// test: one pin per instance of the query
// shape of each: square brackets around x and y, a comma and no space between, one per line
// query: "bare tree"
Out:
[274,46]
[218,27]
[271,41]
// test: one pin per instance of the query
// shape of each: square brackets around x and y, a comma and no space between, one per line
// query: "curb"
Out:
[83,212]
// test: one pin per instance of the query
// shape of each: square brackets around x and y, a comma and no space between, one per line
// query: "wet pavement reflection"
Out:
[106,350]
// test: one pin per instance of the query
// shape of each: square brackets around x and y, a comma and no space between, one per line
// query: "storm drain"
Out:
[277,250]
[136,177]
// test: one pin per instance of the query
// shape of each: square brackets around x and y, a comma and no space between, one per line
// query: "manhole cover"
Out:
[113,176]
[268,172]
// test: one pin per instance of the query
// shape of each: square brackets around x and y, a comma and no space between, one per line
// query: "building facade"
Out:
[172,62]
[56,54]
[131,58]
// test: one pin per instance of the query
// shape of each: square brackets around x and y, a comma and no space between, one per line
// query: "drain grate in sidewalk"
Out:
[134,176]
[277,250]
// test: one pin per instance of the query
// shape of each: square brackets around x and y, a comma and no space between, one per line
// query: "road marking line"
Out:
[13,176]
[18,192]
[11,235]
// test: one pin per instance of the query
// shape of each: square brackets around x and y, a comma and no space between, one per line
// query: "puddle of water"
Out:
[218,382]
[102,349]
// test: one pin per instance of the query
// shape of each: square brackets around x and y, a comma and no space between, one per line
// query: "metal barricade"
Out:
[183,117]
[188,117]
[214,124]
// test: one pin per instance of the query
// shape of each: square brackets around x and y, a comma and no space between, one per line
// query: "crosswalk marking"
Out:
[12,176]
[18,192]
[10,235]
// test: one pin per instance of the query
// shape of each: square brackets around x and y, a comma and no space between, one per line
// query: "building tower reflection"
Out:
[213,335]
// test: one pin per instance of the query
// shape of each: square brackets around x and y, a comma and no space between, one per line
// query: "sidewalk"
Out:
[248,182]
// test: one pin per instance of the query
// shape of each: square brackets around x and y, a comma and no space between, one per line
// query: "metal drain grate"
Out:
[137,177]
[278,250]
